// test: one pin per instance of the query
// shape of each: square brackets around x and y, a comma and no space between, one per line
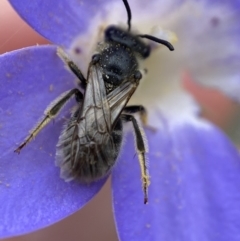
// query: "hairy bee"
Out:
[90,142]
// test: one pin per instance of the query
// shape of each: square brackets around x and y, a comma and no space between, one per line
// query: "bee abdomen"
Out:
[86,158]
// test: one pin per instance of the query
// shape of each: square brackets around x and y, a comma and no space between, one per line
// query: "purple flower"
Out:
[194,168]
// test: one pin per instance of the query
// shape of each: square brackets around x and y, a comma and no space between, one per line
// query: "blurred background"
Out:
[95,220]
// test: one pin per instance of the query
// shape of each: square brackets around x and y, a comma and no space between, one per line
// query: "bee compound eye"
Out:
[137,75]
[95,58]
[146,52]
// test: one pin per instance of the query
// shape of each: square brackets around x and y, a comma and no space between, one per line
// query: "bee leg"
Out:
[50,113]
[141,149]
[132,109]
[73,67]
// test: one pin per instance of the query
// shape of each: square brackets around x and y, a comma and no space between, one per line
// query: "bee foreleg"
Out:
[141,146]
[50,113]
[73,67]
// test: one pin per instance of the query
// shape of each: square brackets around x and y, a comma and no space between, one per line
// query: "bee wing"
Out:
[82,139]
[105,108]
[96,107]
[119,98]
[86,145]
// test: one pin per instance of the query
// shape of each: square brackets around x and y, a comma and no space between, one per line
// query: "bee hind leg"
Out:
[141,145]
[50,113]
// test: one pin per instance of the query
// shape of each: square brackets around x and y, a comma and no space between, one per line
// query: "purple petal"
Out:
[194,191]
[32,193]
[63,21]
[58,21]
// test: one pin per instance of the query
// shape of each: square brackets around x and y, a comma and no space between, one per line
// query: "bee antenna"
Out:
[128,13]
[160,41]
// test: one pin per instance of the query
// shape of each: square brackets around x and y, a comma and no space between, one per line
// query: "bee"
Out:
[91,140]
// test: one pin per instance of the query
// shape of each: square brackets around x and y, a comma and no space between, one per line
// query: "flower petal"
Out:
[208,46]
[32,193]
[58,21]
[194,191]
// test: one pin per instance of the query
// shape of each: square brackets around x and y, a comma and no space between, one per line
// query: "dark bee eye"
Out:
[95,58]
[138,75]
